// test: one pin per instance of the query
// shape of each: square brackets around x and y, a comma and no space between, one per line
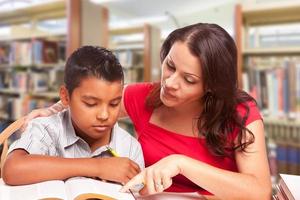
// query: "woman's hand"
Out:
[157,177]
[42,112]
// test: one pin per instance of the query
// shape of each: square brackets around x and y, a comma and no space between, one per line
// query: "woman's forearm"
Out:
[222,183]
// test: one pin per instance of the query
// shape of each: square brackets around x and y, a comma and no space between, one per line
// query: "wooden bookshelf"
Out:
[147,49]
[272,73]
[139,58]
[53,10]
[263,15]
[272,51]
[81,17]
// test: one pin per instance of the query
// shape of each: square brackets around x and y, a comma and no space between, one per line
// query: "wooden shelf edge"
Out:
[268,51]
[55,9]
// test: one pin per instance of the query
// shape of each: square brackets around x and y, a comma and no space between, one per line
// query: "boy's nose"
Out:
[102,115]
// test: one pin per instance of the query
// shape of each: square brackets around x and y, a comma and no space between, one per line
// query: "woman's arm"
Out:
[251,182]
[22,168]
[43,112]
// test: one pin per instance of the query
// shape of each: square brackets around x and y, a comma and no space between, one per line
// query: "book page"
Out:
[44,190]
[293,184]
[81,188]
[51,190]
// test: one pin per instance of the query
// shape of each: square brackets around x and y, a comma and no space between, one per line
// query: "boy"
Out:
[75,141]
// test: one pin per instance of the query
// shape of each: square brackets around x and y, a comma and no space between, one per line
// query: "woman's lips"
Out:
[168,94]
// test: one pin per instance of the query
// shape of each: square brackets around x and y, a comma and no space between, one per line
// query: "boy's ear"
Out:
[64,95]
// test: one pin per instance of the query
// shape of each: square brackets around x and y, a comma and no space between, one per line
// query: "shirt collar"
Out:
[70,135]
[112,143]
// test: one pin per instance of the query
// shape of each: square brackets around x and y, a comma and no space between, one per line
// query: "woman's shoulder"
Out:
[250,110]
[139,87]
[137,90]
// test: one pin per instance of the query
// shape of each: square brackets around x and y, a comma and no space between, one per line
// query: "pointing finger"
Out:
[137,180]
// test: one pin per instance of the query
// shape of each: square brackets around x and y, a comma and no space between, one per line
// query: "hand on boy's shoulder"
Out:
[42,112]
[117,169]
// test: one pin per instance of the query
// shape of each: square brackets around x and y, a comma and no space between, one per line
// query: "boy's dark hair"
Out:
[93,61]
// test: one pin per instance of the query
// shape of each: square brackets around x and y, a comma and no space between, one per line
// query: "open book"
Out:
[75,188]
[176,196]
[288,187]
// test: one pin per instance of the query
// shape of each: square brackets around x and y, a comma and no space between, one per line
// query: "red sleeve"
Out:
[253,115]
[134,102]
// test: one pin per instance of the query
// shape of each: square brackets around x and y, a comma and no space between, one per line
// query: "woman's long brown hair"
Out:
[217,54]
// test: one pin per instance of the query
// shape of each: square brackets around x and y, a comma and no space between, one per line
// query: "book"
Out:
[77,188]
[288,187]
[177,196]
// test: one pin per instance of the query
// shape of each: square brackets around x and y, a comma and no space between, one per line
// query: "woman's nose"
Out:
[172,81]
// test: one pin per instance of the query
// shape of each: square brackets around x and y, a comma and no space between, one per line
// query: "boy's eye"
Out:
[115,104]
[90,104]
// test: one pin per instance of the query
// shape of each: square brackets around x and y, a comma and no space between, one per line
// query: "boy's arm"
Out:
[23,168]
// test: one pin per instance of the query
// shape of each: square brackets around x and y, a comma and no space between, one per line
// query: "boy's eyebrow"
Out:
[87,97]
[117,98]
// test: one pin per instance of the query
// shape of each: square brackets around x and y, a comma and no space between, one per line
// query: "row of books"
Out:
[133,75]
[283,148]
[275,83]
[22,81]
[32,52]
[282,35]
[129,58]
[12,108]
[30,80]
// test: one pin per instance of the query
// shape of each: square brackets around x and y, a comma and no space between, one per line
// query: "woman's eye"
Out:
[189,80]
[170,66]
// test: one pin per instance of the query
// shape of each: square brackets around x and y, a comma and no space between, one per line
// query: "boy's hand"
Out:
[117,169]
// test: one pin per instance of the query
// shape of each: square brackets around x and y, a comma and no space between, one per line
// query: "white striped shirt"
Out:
[55,136]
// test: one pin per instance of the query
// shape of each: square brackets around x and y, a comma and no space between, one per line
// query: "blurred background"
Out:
[37,36]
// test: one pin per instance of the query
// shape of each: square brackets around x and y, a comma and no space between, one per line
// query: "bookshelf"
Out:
[32,57]
[29,58]
[269,69]
[139,57]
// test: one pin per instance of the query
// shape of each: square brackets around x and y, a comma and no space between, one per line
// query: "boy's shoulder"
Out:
[55,121]
[123,139]
[121,134]
[52,119]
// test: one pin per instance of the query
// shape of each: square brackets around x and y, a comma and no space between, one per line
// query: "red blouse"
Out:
[158,142]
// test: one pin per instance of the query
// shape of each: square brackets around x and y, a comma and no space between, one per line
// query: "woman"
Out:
[198,131]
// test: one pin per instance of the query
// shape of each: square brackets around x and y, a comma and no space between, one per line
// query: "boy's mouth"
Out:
[101,128]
